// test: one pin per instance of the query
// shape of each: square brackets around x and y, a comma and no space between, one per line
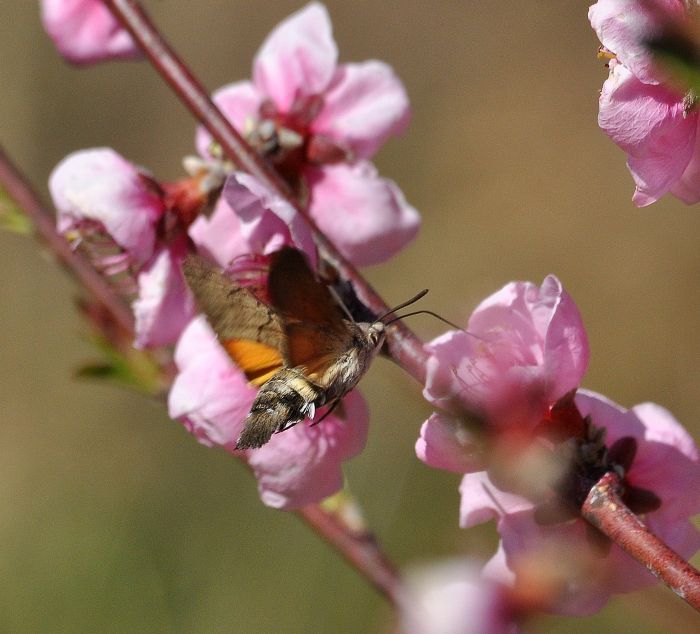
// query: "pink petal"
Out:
[666,462]
[366,217]
[650,123]
[239,102]
[525,348]
[100,185]
[364,105]
[165,305]
[303,464]
[298,58]
[267,221]
[210,395]
[566,351]
[623,26]
[84,31]
[687,188]
[219,236]
[481,500]
[452,597]
[581,578]
[446,443]
[448,354]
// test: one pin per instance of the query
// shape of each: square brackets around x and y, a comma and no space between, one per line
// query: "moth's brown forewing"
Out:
[249,330]
[301,350]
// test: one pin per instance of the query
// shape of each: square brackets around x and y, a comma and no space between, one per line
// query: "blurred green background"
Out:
[112,518]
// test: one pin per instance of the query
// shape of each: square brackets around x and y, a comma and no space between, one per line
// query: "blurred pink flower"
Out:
[311,117]
[645,115]
[453,597]
[85,31]
[116,212]
[211,397]
[666,463]
[525,348]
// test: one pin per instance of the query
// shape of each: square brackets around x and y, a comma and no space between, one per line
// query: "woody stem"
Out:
[405,348]
[605,509]
[361,551]
[20,190]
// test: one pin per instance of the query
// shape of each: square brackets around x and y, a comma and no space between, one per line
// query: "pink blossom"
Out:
[453,597]
[210,395]
[212,398]
[666,463]
[100,186]
[268,222]
[643,113]
[164,305]
[524,349]
[85,31]
[310,116]
[105,204]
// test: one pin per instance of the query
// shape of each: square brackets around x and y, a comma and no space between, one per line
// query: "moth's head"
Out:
[374,333]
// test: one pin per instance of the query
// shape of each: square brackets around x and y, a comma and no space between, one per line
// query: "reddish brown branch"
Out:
[360,551]
[605,509]
[44,223]
[404,346]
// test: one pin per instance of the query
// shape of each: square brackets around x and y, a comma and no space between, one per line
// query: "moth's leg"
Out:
[334,404]
[288,424]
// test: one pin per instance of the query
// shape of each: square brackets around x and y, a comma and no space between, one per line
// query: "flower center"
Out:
[288,141]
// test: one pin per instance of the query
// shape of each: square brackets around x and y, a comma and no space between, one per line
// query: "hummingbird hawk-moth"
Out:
[301,350]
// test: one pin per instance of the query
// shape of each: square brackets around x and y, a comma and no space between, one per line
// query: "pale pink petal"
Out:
[165,305]
[366,216]
[102,186]
[219,236]
[448,359]
[566,351]
[298,58]
[580,578]
[364,105]
[651,124]
[239,102]
[303,464]
[210,395]
[666,463]
[85,31]
[623,26]
[268,222]
[452,597]
[481,500]
[525,348]
[687,188]
[446,443]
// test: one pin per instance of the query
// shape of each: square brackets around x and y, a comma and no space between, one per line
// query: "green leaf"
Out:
[11,216]
[678,49]
[133,369]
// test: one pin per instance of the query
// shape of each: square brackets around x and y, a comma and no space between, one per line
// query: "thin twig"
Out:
[405,348]
[360,551]
[19,189]
[605,509]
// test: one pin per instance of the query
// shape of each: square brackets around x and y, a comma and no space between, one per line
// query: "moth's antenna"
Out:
[426,312]
[413,299]
[341,303]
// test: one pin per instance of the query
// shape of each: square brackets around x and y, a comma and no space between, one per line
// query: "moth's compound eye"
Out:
[376,332]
